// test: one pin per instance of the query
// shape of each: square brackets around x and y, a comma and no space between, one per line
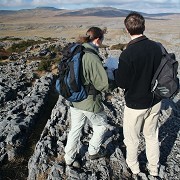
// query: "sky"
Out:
[147,6]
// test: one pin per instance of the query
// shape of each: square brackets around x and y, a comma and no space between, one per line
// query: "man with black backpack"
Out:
[137,66]
[93,76]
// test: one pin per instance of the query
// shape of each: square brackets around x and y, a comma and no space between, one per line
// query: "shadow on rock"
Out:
[169,130]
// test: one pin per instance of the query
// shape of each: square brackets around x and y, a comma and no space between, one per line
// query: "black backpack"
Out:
[165,83]
[68,83]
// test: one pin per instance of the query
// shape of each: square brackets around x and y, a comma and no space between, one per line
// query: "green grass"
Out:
[22,46]
[10,38]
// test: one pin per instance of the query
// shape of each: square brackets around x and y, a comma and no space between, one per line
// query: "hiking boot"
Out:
[102,153]
[150,177]
[75,164]
[154,172]
[139,176]
[136,177]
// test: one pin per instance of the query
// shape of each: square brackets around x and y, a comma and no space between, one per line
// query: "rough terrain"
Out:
[25,93]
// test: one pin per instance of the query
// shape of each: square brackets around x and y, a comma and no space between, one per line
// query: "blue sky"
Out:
[147,6]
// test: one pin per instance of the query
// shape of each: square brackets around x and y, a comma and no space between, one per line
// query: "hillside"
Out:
[51,11]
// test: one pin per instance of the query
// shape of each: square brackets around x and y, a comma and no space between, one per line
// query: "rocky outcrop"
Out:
[21,104]
[23,97]
[48,162]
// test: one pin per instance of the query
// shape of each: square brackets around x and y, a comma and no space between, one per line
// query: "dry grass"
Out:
[72,27]
[15,170]
[42,176]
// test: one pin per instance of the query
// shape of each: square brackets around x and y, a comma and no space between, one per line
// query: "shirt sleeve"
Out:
[96,74]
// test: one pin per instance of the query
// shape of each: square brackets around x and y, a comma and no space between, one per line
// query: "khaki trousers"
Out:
[78,120]
[145,120]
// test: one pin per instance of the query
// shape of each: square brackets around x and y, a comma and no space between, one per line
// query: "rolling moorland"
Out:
[34,120]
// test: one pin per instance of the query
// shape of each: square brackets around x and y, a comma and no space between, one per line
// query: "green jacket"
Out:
[92,72]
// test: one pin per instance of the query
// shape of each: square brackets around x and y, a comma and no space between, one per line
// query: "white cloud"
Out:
[137,5]
[11,3]
[101,1]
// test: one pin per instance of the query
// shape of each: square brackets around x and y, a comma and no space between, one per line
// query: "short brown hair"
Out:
[135,23]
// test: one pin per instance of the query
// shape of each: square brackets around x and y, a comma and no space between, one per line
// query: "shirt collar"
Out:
[141,38]
[94,46]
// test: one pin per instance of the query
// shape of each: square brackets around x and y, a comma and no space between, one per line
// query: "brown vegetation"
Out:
[4,54]
[118,47]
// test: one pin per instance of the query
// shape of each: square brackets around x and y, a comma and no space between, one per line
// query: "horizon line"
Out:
[87,8]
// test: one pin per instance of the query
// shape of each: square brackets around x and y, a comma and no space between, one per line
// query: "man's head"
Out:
[135,23]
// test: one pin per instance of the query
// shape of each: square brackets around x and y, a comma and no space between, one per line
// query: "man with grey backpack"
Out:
[138,64]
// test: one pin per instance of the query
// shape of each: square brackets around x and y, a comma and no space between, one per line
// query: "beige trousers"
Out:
[78,119]
[145,120]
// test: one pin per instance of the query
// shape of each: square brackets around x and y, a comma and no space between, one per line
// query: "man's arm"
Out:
[123,74]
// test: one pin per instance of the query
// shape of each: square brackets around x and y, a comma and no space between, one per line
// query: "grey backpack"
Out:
[165,83]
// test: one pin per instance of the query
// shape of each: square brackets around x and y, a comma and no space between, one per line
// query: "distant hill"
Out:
[48,8]
[7,12]
[109,12]
[99,11]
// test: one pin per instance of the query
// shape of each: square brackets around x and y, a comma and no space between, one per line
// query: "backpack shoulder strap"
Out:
[90,50]
[160,67]
[164,52]
[93,52]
